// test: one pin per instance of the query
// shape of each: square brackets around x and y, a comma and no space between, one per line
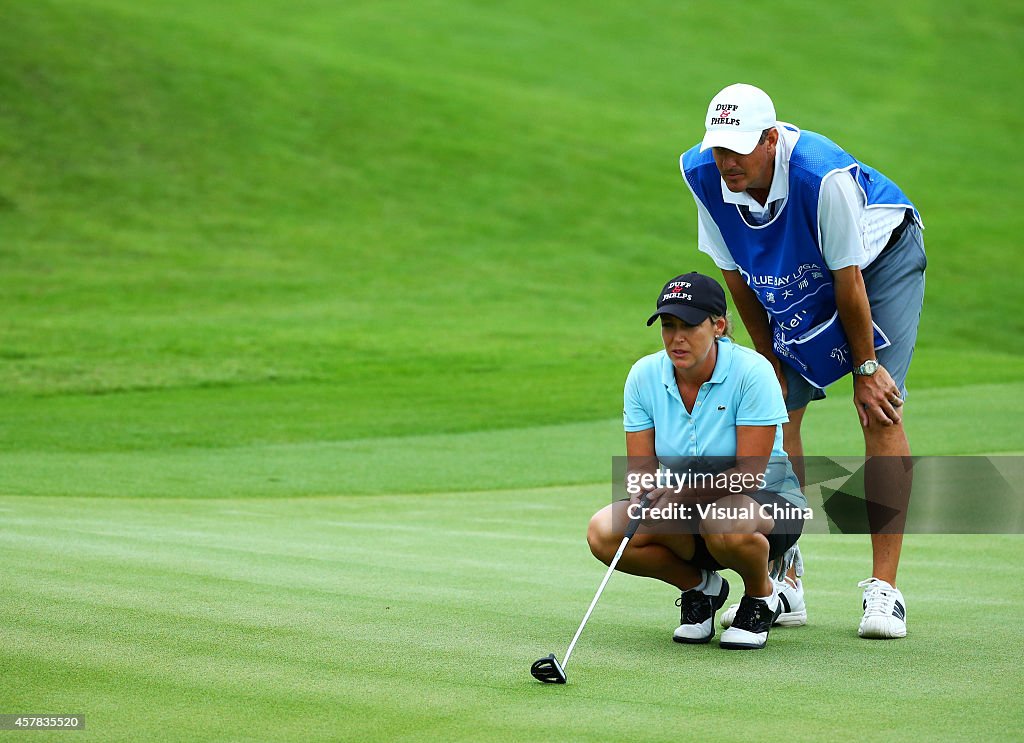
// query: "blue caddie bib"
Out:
[781,261]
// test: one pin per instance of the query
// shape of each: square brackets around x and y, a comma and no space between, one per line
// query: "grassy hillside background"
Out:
[279,223]
[253,251]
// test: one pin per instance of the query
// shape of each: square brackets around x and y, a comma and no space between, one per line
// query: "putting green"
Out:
[382,618]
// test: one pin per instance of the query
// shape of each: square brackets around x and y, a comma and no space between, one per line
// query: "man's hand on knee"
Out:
[877,399]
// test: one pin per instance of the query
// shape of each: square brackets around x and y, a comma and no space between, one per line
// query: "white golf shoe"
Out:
[791,598]
[885,611]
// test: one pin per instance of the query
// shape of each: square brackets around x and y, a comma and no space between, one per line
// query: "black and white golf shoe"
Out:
[697,610]
[794,610]
[749,630]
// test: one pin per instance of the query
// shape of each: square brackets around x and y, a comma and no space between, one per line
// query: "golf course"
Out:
[316,318]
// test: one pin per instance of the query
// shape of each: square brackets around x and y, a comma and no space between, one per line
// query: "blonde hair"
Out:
[727,333]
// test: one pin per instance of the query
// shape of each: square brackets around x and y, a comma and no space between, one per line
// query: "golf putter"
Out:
[548,669]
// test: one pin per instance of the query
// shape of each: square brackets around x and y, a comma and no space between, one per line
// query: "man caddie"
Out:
[825,262]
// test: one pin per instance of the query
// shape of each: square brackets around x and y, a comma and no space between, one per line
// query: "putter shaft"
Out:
[611,569]
[630,531]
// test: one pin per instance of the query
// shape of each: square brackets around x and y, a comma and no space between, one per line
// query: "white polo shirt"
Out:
[851,234]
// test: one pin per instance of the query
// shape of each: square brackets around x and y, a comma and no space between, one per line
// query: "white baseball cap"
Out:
[736,118]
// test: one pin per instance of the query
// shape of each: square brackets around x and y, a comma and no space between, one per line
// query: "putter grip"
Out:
[634,524]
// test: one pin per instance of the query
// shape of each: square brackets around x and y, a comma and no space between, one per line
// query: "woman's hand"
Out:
[652,496]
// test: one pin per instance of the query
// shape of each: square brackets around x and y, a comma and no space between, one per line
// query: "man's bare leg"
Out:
[794,446]
[887,482]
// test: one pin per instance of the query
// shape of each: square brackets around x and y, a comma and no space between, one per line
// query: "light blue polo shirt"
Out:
[743,391]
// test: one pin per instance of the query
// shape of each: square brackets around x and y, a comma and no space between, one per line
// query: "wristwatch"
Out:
[866,369]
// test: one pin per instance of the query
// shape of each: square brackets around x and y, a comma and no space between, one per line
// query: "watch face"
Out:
[868,368]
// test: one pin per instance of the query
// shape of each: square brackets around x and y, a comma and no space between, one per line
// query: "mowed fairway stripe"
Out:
[303,628]
[568,454]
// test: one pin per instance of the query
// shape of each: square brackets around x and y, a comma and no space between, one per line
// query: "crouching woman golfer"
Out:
[704,399]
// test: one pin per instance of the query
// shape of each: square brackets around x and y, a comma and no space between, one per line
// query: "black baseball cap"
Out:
[692,297]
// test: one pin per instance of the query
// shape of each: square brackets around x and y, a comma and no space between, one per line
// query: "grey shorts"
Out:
[895,286]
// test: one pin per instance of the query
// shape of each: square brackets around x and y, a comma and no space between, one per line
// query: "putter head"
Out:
[548,670]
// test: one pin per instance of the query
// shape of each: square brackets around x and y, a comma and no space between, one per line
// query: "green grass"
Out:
[332,222]
[286,286]
[358,618]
